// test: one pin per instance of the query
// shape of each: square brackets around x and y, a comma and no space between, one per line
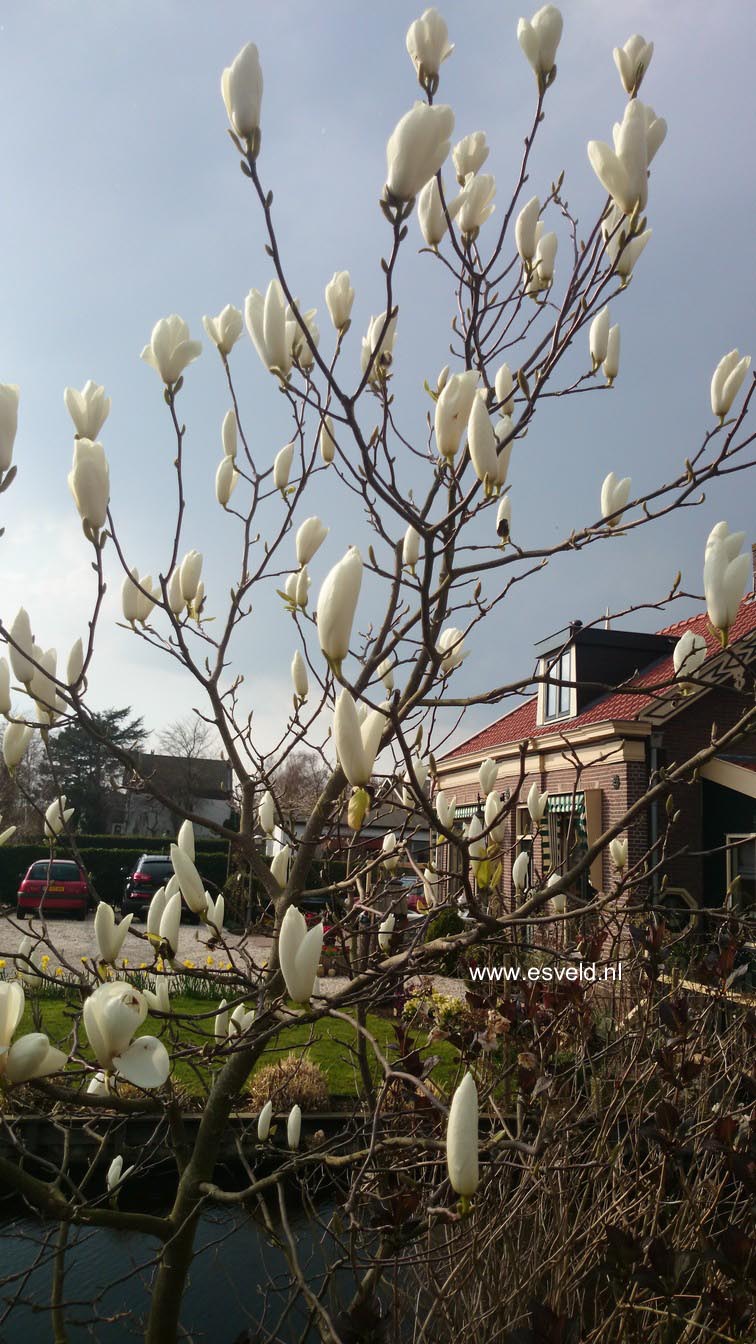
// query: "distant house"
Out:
[607,717]
[197,784]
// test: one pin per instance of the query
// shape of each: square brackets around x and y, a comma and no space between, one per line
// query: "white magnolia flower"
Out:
[417,148]
[487,774]
[727,382]
[726,574]
[299,951]
[279,865]
[469,155]
[116,1174]
[339,296]
[453,411]
[57,817]
[89,409]
[475,204]
[539,38]
[623,170]
[428,46]
[378,347]
[451,646]
[446,808]
[9,397]
[689,654]
[226,481]
[171,349]
[614,497]
[263,1121]
[294,1127]
[310,537]
[89,483]
[537,803]
[431,215]
[336,606]
[521,873]
[113,1014]
[618,851]
[242,90]
[225,329]
[266,323]
[633,61]
[356,742]
[526,229]
[385,930]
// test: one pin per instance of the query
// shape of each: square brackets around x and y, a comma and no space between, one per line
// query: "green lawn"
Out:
[330,1044]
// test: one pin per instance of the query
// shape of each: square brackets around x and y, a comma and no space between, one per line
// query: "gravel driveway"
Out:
[74,940]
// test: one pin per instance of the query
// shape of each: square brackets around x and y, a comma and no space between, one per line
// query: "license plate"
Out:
[56,886]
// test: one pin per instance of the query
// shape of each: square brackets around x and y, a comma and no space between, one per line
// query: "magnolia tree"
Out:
[422,1184]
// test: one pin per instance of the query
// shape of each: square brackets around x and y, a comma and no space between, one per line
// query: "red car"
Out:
[64,890]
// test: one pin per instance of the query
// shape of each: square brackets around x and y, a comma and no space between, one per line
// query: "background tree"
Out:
[81,759]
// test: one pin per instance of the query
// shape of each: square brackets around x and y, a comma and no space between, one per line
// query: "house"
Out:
[608,715]
[197,784]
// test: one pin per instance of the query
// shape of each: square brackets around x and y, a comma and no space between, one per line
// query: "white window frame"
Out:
[568,693]
[732,841]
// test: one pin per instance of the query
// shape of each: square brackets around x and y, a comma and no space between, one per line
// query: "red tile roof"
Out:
[624,705]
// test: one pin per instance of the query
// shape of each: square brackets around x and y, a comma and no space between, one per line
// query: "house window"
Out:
[557,698]
[741,864]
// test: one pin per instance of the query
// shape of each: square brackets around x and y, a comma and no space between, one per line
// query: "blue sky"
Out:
[124,202]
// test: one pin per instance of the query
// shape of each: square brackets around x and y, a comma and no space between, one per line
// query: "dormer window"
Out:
[559,674]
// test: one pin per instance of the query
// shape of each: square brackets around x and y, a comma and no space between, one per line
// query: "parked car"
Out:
[151,872]
[57,889]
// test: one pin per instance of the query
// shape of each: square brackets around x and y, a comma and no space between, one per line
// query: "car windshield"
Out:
[61,871]
[155,867]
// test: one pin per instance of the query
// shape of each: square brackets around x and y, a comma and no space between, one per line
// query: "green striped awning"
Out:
[568,802]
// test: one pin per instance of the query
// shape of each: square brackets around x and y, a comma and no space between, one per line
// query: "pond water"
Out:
[238,1277]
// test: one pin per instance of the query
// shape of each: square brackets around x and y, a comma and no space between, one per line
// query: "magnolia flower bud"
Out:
[229,434]
[598,338]
[389,850]
[110,936]
[469,155]
[385,672]
[521,873]
[185,839]
[5,695]
[623,251]
[428,46]
[725,577]
[134,604]
[299,951]
[504,387]
[89,483]
[618,851]
[526,226]
[226,481]
[294,1127]
[539,40]
[155,912]
[614,497]
[170,349]
[633,61]
[481,441]
[300,348]
[453,411]
[430,212]
[385,930]
[689,654]
[451,646]
[242,90]
[299,678]
[419,769]
[382,347]
[170,922]
[191,568]
[487,775]
[411,548]
[176,600]
[356,743]
[74,667]
[42,685]
[504,518]
[537,803]
[339,297]
[310,536]
[297,588]
[263,1121]
[282,466]
[89,409]
[462,1138]
[623,171]
[33,1057]
[16,739]
[559,902]
[337,603]
[225,329]
[279,865]
[542,271]
[475,204]
[326,441]
[9,396]
[611,360]
[416,149]
[430,887]
[266,813]
[445,809]
[57,818]
[190,882]
[494,819]
[727,381]
[266,324]
[21,635]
